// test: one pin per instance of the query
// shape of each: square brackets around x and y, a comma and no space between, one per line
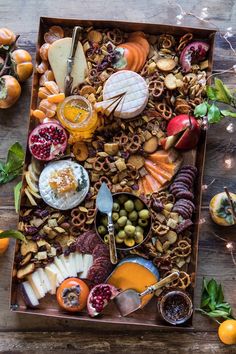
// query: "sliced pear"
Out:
[30,197]
[30,182]
[36,195]
[32,173]
[36,166]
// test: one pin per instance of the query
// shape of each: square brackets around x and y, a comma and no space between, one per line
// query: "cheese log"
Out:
[58,54]
[135,89]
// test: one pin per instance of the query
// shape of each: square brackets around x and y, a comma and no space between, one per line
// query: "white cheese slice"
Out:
[58,263]
[54,269]
[58,54]
[69,265]
[88,262]
[52,276]
[79,263]
[44,280]
[136,89]
[36,284]
[30,293]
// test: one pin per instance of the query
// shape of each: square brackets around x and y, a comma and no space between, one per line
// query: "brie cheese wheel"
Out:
[58,53]
[70,198]
[135,91]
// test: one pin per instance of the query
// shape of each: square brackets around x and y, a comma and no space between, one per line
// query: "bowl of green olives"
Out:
[131,218]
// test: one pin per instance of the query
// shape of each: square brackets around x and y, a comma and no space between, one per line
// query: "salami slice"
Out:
[100,250]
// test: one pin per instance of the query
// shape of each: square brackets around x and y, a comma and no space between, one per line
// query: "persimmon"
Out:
[43,92]
[140,54]
[37,113]
[227,332]
[47,76]
[72,294]
[130,55]
[43,51]
[48,108]
[10,91]
[4,243]
[7,37]
[141,40]
[42,67]
[56,98]
[52,87]
[22,62]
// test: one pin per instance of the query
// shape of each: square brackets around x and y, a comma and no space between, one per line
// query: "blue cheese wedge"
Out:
[63,184]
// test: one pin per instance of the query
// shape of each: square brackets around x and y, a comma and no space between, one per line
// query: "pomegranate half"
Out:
[47,141]
[99,297]
[193,53]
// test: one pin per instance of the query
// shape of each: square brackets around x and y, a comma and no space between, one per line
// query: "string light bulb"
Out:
[230,128]
[228,162]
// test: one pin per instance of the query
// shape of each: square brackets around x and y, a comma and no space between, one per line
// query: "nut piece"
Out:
[120,164]
[28,247]
[166,64]
[23,272]
[111,148]
[26,259]
[151,145]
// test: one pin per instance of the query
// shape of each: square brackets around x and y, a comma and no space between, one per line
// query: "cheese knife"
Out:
[104,204]
[70,60]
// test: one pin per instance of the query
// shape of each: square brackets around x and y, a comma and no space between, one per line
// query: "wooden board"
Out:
[148,316]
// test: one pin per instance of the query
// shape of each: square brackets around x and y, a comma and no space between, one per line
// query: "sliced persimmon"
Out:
[140,53]
[142,41]
[156,173]
[56,98]
[153,183]
[130,53]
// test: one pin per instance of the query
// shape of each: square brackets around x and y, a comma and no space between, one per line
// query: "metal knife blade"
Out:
[70,60]
[104,201]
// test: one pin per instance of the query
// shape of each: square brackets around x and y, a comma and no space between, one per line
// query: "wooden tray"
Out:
[147,317]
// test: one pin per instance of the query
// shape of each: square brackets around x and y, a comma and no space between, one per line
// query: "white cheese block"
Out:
[32,298]
[105,105]
[44,280]
[58,263]
[79,263]
[36,284]
[54,269]
[88,262]
[58,54]
[69,265]
[67,200]
[135,89]
[52,276]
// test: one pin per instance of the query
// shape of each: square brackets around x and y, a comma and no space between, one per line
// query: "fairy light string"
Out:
[230,246]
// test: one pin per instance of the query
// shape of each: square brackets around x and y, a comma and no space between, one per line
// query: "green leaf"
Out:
[212,288]
[200,110]
[15,157]
[205,302]
[13,234]
[218,313]
[227,113]
[205,284]
[213,115]
[211,93]
[223,94]
[220,295]
[17,190]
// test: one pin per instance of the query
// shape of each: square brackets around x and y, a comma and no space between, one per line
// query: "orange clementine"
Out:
[4,243]
[227,332]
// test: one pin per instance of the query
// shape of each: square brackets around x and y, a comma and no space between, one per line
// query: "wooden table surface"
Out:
[22,333]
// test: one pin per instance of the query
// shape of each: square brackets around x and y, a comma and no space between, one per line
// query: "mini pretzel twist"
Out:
[156,88]
[123,139]
[91,214]
[115,36]
[166,41]
[160,229]
[98,184]
[85,228]
[134,144]
[165,110]
[79,219]
[184,40]
[182,282]
[101,164]
[132,172]
[183,249]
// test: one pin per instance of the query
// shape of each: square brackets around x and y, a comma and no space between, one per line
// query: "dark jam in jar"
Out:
[176,307]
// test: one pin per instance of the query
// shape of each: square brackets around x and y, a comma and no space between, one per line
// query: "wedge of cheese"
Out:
[58,54]
[135,89]
[108,106]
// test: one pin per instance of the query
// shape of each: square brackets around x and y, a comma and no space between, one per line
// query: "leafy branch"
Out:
[219,93]
[13,165]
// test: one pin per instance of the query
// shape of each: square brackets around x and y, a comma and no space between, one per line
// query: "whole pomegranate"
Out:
[47,141]
[99,297]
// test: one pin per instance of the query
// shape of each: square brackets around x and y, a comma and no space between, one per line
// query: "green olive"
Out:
[121,234]
[106,238]
[122,221]
[129,242]
[138,237]
[144,214]
[142,222]
[102,230]
[115,216]
[104,220]
[138,204]
[129,230]
[116,207]
[133,216]
[116,227]
[123,212]
[129,222]
[139,229]
[118,239]
[129,205]
[122,199]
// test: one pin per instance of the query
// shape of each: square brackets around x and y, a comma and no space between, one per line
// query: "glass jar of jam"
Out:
[76,114]
[175,307]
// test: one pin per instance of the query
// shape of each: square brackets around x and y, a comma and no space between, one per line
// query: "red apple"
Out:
[183,132]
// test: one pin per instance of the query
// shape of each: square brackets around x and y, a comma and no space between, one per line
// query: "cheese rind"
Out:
[58,53]
[135,89]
